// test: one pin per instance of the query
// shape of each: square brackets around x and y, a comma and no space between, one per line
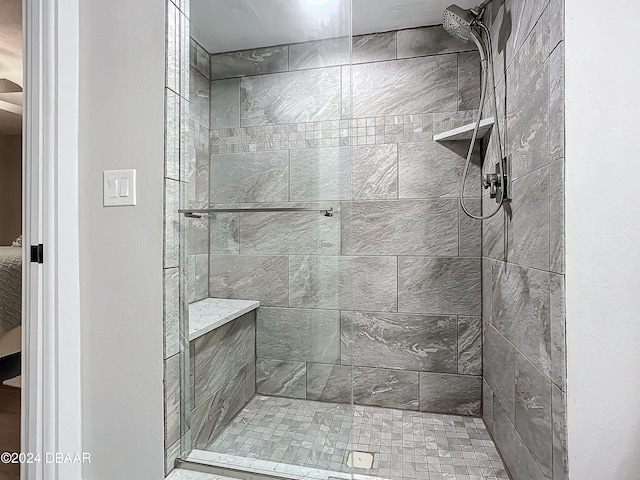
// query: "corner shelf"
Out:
[465,132]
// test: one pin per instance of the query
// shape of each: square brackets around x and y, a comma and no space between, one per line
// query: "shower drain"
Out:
[360,460]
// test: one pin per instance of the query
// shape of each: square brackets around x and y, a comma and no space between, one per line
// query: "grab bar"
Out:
[196,212]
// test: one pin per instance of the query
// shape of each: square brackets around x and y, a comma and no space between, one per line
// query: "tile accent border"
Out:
[337,133]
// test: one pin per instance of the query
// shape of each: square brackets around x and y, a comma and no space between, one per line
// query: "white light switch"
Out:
[124,187]
[119,188]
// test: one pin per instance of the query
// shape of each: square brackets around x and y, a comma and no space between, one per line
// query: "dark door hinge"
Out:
[37,253]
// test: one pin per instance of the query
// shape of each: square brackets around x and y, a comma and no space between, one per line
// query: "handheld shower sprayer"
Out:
[458,22]
[466,24]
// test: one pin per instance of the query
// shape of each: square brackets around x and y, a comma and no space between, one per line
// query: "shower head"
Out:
[458,21]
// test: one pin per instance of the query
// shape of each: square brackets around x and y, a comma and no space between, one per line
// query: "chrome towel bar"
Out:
[197,212]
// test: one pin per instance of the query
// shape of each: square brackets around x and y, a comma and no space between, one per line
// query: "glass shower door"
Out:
[266,363]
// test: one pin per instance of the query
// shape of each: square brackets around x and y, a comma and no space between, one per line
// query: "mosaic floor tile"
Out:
[319,435]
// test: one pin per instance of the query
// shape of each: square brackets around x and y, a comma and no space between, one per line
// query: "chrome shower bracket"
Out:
[506,181]
[495,182]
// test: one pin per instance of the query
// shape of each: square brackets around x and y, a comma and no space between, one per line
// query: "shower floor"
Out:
[317,435]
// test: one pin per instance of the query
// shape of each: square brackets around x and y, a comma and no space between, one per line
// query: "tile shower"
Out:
[523,250]
[362,277]
[393,302]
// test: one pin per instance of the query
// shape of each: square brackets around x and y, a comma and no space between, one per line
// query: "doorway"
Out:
[11,99]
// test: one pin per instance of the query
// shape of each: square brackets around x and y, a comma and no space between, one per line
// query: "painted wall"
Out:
[122,65]
[603,240]
[523,247]
[10,188]
[295,125]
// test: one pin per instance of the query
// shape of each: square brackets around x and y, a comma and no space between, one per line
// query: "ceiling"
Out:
[228,25]
[11,65]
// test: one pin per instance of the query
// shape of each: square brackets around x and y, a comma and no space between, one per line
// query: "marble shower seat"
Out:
[208,314]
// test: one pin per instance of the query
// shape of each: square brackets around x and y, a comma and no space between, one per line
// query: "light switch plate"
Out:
[119,188]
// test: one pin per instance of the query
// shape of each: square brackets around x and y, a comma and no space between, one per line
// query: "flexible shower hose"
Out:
[487,69]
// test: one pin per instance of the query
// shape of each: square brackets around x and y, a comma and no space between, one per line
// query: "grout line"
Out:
[549,182]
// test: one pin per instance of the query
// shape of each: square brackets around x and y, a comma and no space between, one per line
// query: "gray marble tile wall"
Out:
[382,301]
[216,398]
[223,381]
[197,195]
[180,184]
[524,377]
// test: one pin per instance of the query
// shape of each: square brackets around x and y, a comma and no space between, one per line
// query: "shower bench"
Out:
[222,339]
[211,313]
